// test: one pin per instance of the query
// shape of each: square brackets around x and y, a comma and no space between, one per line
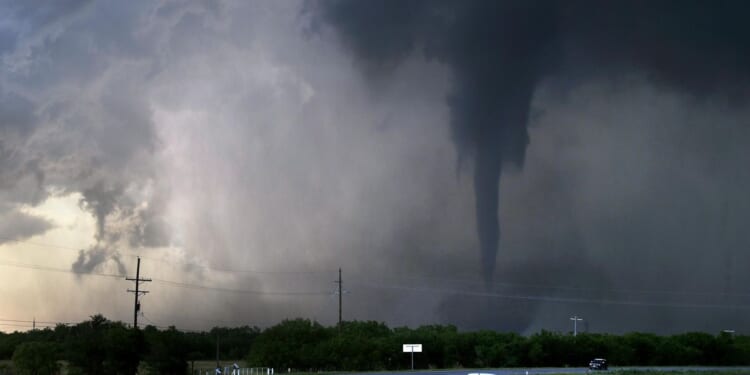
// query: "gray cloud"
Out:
[76,120]
[93,259]
[500,52]
[16,225]
[231,136]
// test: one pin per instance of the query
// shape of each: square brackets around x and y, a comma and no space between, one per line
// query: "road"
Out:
[552,370]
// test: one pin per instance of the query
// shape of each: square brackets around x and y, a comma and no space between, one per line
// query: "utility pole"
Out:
[218,363]
[137,292]
[575,320]
[341,293]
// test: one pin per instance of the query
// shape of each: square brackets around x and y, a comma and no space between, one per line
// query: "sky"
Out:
[503,165]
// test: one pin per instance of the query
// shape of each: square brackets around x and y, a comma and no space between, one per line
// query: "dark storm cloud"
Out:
[30,24]
[92,259]
[499,51]
[16,225]
[21,175]
[73,118]
[101,201]
[38,13]
[689,46]
[226,135]
[16,114]
[151,228]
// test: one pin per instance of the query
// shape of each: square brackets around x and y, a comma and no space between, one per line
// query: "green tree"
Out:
[550,349]
[168,351]
[740,350]
[101,346]
[290,344]
[36,358]
[9,342]
[703,345]
[643,348]
[235,342]
[437,350]
[123,349]
[85,351]
[672,352]
[357,346]
[484,352]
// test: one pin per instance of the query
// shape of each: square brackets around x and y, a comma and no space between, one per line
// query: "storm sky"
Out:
[246,150]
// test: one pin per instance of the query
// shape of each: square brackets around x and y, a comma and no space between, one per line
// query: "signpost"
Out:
[412,348]
[575,320]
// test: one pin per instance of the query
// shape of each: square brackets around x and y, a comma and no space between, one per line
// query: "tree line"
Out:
[99,345]
[306,345]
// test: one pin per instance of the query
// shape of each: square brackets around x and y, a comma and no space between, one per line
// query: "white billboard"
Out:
[412,348]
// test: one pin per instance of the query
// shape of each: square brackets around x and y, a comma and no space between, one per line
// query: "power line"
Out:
[554,299]
[425,277]
[398,287]
[28,325]
[60,270]
[164,282]
[239,291]
[15,325]
[152,323]
[31,324]
[30,321]
[725,293]
[41,244]
[172,262]
[569,288]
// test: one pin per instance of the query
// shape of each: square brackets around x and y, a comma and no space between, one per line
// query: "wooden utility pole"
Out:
[341,293]
[218,363]
[137,292]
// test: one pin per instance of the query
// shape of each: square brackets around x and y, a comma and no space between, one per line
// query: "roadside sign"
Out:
[412,348]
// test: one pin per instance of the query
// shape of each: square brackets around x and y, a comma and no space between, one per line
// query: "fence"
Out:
[230,370]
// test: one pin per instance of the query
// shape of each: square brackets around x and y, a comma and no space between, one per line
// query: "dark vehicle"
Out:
[598,364]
